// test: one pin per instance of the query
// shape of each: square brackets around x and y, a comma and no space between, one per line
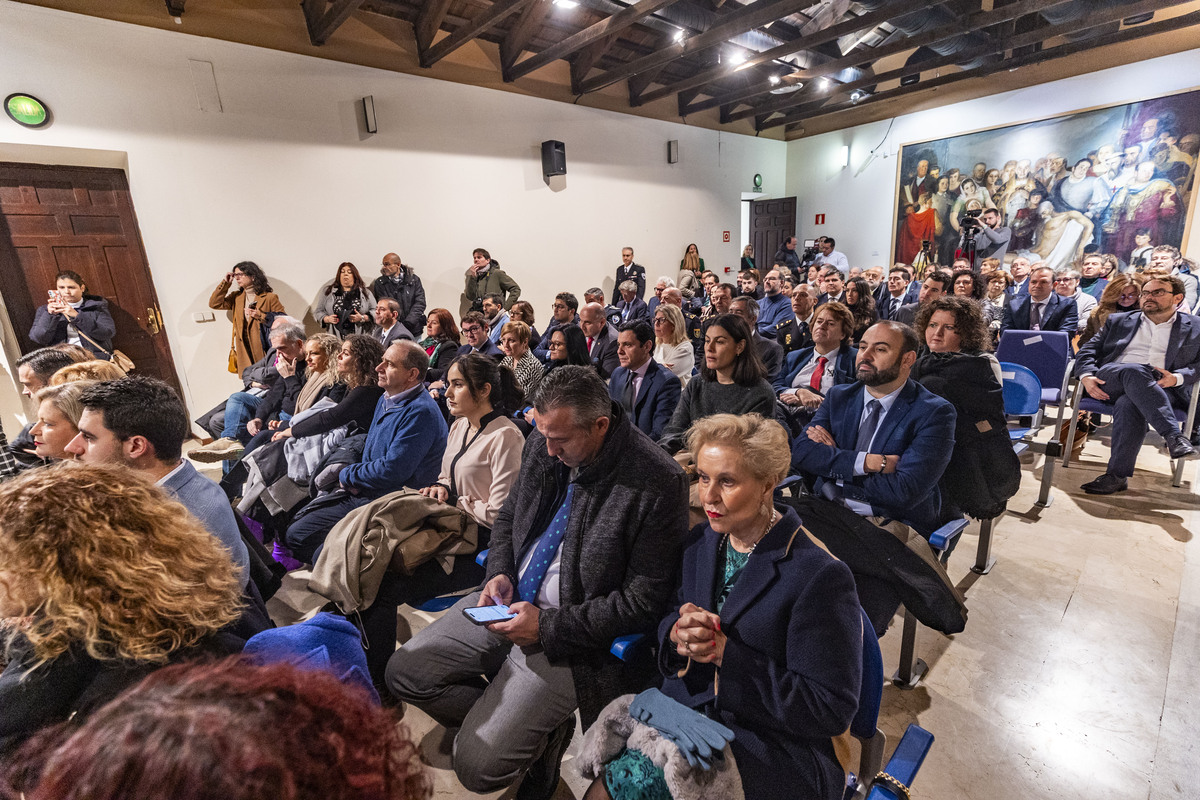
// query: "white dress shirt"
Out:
[804,376]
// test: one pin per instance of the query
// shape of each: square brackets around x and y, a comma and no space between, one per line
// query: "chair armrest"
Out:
[942,537]
[623,647]
[481,559]
[905,762]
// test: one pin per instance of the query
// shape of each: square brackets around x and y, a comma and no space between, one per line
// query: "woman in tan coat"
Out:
[250,304]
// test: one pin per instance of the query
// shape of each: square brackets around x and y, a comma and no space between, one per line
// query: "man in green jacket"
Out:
[483,278]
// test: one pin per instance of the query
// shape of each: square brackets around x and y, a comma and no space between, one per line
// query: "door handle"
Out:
[153,320]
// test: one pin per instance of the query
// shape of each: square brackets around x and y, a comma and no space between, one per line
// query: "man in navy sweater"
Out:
[404,448]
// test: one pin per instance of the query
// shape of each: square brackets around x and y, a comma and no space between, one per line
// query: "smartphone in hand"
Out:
[486,615]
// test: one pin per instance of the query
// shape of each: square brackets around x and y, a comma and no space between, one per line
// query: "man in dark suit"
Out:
[1019,269]
[387,319]
[769,351]
[601,338]
[474,329]
[587,548]
[1142,362]
[631,306]
[795,332]
[660,286]
[809,374]
[629,271]
[400,282]
[935,285]
[894,293]
[880,447]
[1042,309]
[833,282]
[647,390]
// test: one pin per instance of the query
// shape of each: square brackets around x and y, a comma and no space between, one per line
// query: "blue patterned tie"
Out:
[544,550]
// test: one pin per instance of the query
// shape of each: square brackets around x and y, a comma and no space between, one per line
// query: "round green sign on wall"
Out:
[25,109]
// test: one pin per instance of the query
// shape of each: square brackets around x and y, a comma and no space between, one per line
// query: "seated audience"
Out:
[234,415]
[768,350]
[140,423]
[57,419]
[253,303]
[733,380]
[809,374]
[585,549]
[880,446]
[484,277]
[671,346]
[77,353]
[661,285]
[983,471]
[75,317]
[404,447]
[645,389]
[939,282]
[1143,363]
[116,581]
[87,371]
[750,284]
[896,294]
[795,332]
[1122,293]
[34,371]
[567,347]
[474,329]
[1066,285]
[562,314]
[280,731]
[775,306]
[999,285]
[691,319]
[861,305]
[522,311]
[1167,258]
[833,286]
[441,342]
[301,385]
[388,327]
[401,283]
[972,286]
[631,306]
[345,303]
[1040,309]
[1094,274]
[600,337]
[495,316]
[514,341]
[784,640]
[479,467]
[720,296]
[357,358]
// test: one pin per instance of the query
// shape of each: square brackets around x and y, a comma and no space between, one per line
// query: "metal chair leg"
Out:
[1069,444]
[983,553]
[1053,449]
[911,668]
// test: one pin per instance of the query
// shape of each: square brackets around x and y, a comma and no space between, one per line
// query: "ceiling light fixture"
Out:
[566,3]
[858,95]
[679,36]
[774,79]
[824,84]
[737,57]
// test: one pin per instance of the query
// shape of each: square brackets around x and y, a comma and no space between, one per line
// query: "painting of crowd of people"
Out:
[1120,178]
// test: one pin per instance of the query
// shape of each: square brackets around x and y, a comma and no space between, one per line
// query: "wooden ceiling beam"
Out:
[603,31]
[482,22]
[322,18]
[529,23]
[790,48]
[966,24]
[746,18]
[1070,48]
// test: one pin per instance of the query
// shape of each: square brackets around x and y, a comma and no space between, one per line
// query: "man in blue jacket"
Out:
[647,390]
[880,446]
[404,448]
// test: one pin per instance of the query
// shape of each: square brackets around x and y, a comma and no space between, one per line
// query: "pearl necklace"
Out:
[770,524]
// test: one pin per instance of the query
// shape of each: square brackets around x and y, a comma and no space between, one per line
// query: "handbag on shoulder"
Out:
[122,361]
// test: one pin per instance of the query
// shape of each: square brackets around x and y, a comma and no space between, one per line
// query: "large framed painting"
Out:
[1119,177]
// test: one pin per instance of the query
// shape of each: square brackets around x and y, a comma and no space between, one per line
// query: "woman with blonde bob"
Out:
[87,371]
[113,580]
[774,613]
[58,416]
[671,346]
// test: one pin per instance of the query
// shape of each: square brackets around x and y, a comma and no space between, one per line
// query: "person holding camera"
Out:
[828,257]
[991,238]
[70,312]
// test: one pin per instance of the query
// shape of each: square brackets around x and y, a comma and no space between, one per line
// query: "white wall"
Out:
[859,204]
[285,177]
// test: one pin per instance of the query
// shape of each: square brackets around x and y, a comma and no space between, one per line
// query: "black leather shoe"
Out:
[1180,449]
[1106,484]
[541,781]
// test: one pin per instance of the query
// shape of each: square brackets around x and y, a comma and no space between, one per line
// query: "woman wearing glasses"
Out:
[250,303]
[671,346]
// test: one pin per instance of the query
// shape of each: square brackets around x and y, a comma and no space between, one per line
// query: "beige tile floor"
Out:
[1077,673]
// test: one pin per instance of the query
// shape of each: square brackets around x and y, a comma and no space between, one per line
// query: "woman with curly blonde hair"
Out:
[111,580]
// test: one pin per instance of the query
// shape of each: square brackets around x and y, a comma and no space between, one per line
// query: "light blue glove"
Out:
[700,739]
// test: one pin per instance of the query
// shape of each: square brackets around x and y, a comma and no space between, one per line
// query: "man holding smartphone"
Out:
[585,549]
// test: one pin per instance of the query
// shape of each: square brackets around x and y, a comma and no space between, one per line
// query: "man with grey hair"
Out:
[600,337]
[660,286]
[585,549]
[629,271]
[404,448]
[631,307]
[228,421]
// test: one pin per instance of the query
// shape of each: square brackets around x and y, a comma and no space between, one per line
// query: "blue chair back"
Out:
[1046,353]
[870,694]
[1022,390]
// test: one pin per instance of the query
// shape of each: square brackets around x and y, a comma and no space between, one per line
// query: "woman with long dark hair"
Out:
[732,380]
[567,345]
[73,316]
[250,303]
[346,304]
[862,306]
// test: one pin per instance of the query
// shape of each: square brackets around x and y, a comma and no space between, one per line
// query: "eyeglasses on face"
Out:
[472,329]
[559,306]
[1155,292]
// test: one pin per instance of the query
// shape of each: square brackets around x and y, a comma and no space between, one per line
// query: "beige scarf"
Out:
[312,389]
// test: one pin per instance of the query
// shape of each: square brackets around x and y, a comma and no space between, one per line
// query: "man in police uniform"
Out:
[795,332]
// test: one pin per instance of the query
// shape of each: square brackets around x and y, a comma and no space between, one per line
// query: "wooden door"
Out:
[79,218]
[771,221]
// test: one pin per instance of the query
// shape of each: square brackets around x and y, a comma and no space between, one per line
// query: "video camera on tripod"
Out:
[810,253]
[970,219]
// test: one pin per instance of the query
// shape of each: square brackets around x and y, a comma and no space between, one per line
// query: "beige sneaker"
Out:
[223,449]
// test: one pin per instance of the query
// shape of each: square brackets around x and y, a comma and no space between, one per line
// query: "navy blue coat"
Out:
[404,448]
[919,429]
[845,371]
[1183,349]
[488,349]
[656,398]
[1061,314]
[93,319]
[792,668]
[885,305]
[541,348]
[637,310]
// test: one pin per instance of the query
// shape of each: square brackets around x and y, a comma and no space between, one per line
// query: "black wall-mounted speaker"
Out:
[554,158]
